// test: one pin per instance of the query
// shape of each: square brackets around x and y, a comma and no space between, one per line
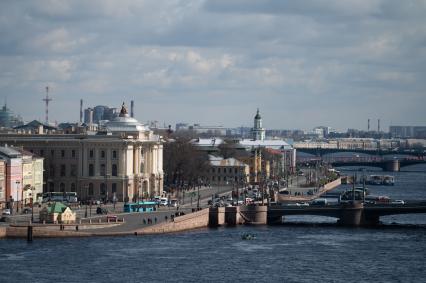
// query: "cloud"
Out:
[287,57]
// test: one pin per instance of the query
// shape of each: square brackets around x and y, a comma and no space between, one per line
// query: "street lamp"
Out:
[32,203]
[86,187]
[17,199]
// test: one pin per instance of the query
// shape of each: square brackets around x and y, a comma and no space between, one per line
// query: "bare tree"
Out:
[183,163]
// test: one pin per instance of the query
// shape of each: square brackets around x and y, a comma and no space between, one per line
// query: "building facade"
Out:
[227,171]
[22,176]
[122,162]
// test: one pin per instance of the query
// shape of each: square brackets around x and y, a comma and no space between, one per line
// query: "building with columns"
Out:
[122,161]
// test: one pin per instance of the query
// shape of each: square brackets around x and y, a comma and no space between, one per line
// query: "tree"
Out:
[183,163]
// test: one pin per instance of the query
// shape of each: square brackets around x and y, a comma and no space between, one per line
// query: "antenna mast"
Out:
[47,100]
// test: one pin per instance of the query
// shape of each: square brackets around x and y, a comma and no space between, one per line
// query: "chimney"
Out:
[368,127]
[90,118]
[132,106]
[81,111]
[378,125]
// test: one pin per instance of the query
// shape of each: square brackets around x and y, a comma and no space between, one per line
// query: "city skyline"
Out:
[303,64]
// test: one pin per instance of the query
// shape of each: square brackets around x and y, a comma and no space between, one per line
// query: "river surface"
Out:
[319,252]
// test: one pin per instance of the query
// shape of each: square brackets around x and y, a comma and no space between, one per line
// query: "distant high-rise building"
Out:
[8,119]
[100,112]
[408,131]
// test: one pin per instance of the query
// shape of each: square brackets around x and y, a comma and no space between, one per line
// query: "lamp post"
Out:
[32,204]
[17,195]
[86,187]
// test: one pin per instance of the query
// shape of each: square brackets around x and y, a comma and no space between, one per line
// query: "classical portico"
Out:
[123,160]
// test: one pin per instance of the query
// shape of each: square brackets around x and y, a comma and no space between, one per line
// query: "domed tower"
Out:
[257,131]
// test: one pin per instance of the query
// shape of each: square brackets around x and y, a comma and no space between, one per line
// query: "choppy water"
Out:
[291,253]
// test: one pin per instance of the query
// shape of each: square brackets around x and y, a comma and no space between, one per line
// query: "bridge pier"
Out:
[392,166]
[351,214]
[254,214]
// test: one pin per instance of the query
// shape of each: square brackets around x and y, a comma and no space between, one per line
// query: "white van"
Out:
[164,201]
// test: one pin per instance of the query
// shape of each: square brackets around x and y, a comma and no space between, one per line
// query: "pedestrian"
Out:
[155,220]
[165,217]
[144,221]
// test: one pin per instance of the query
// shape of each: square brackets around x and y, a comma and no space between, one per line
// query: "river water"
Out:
[394,252]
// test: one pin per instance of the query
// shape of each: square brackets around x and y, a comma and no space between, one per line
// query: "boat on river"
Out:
[381,180]
[248,236]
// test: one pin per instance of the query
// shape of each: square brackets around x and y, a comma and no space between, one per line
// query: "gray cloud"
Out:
[303,62]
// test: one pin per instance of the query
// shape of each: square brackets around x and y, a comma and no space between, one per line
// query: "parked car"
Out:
[6,211]
[27,210]
[398,201]
[100,210]
[174,202]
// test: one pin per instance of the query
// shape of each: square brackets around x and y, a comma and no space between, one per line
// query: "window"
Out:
[62,187]
[213,178]
[63,170]
[103,173]
[51,187]
[218,170]
[52,153]
[103,189]
[73,170]
[73,153]
[114,188]
[114,154]
[91,153]
[102,153]
[41,152]
[114,170]
[91,170]
[90,189]
[235,170]
[218,178]
[229,170]
[62,153]
[72,187]
[213,170]
[51,171]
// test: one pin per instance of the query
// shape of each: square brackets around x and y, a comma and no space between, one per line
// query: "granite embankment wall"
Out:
[199,219]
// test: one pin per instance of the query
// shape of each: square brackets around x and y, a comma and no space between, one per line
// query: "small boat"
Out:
[248,236]
[388,180]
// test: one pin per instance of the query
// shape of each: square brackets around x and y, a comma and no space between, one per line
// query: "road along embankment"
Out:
[327,187]
[195,220]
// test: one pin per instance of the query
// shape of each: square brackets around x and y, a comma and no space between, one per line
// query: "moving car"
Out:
[398,201]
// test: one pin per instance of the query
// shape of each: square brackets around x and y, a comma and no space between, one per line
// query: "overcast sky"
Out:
[303,63]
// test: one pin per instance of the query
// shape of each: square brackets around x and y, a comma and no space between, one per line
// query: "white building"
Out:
[258,132]
[123,161]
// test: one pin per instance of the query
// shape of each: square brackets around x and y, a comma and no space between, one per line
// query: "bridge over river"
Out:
[357,214]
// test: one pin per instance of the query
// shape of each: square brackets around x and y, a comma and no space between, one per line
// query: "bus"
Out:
[70,197]
[142,206]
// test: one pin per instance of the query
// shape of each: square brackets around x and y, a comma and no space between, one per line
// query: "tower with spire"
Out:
[258,132]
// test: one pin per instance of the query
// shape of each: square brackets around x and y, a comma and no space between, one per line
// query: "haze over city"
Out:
[303,63]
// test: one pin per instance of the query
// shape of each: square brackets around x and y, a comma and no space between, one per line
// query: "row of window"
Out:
[224,179]
[63,170]
[102,154]
[102,188]
[225,170]
[114,170]
[72,153]
[62,153]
